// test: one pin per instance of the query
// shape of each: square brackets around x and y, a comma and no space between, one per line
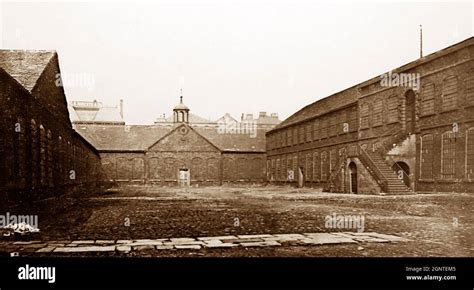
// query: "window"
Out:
[470,153]
[289,137]
[427,99]
[49,157]
[316,167]
[309,167]
[308,133]
[332,125]
[34,152]
[448,155]
[364,116]
[332,160]
[392,109]
[295,136]
[316,130]
[42,155]
[283,169]
[470,88]
[324,166]
[324,129]
[426,157]
[450,90]
[277,173]
[378,111]
[301,131]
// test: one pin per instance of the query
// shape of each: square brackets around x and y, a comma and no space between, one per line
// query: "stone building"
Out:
[40,153]
[182,149]
[411,129]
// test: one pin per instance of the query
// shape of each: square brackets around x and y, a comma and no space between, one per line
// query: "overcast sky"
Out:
[227,56]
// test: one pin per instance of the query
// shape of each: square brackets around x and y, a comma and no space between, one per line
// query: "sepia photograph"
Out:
[208,130]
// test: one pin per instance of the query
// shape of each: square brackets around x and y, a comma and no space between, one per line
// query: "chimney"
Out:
[121,108]
[249,117]
[262,114]
[274,115]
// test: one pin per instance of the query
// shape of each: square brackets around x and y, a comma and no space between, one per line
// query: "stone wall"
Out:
[40,154]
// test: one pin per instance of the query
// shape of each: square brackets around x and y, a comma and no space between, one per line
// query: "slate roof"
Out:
[25,66]
[193,119]
[141,137]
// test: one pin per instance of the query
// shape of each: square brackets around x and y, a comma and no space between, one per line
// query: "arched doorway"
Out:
[410,111]
[300,177]
[403,171]
[353,178]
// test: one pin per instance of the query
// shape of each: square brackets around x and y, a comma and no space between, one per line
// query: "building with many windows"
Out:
[40,153]
[411,129]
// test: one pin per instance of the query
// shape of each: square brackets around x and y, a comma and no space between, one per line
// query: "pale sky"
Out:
[227,56]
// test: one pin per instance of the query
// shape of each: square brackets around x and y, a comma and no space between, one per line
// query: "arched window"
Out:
[448,155]
[470,88]
[378,112]
[49,158]
[34,153]
[364,115]
[470,153]
[324,166]
[426,157]
[427,99]
[450,91]
[308,166]
[43,151]
[316,167]
[392,109]
[19,148]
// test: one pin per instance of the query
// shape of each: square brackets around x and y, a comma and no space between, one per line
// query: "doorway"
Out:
[353,177]
[300,177]
[410,112]
[184,177]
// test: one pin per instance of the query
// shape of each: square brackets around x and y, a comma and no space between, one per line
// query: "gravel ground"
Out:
[438,224]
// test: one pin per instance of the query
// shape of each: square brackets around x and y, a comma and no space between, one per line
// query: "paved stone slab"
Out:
[221,245]
[141,248]
[254,236]
[124,241]
[326,238]
[45,250]
[389,237]
[105,241]
[187,247]
[85,249]
[184,243]
[124,248]
[245,241]
[26,242]
[164,247]
[289,236]
[83,242]
[212,242]
[217,238]
[260,244]
[182,240]
[147,243]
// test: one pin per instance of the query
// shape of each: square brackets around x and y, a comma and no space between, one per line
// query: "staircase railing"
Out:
[373,169]
[383,150]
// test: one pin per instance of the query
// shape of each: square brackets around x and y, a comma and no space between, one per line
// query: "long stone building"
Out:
[183,149]
[40,153]
[411,129]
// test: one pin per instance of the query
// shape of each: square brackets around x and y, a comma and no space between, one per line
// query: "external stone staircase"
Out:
[394,184]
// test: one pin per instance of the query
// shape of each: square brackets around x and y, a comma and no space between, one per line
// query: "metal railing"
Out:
[373,169]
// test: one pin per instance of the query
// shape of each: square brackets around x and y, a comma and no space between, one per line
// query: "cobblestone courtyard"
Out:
[273,221]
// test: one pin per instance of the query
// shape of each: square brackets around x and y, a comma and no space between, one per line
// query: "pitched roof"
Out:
[142,137]
[322,106]
[121,138]
[234,142]
[25,66]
